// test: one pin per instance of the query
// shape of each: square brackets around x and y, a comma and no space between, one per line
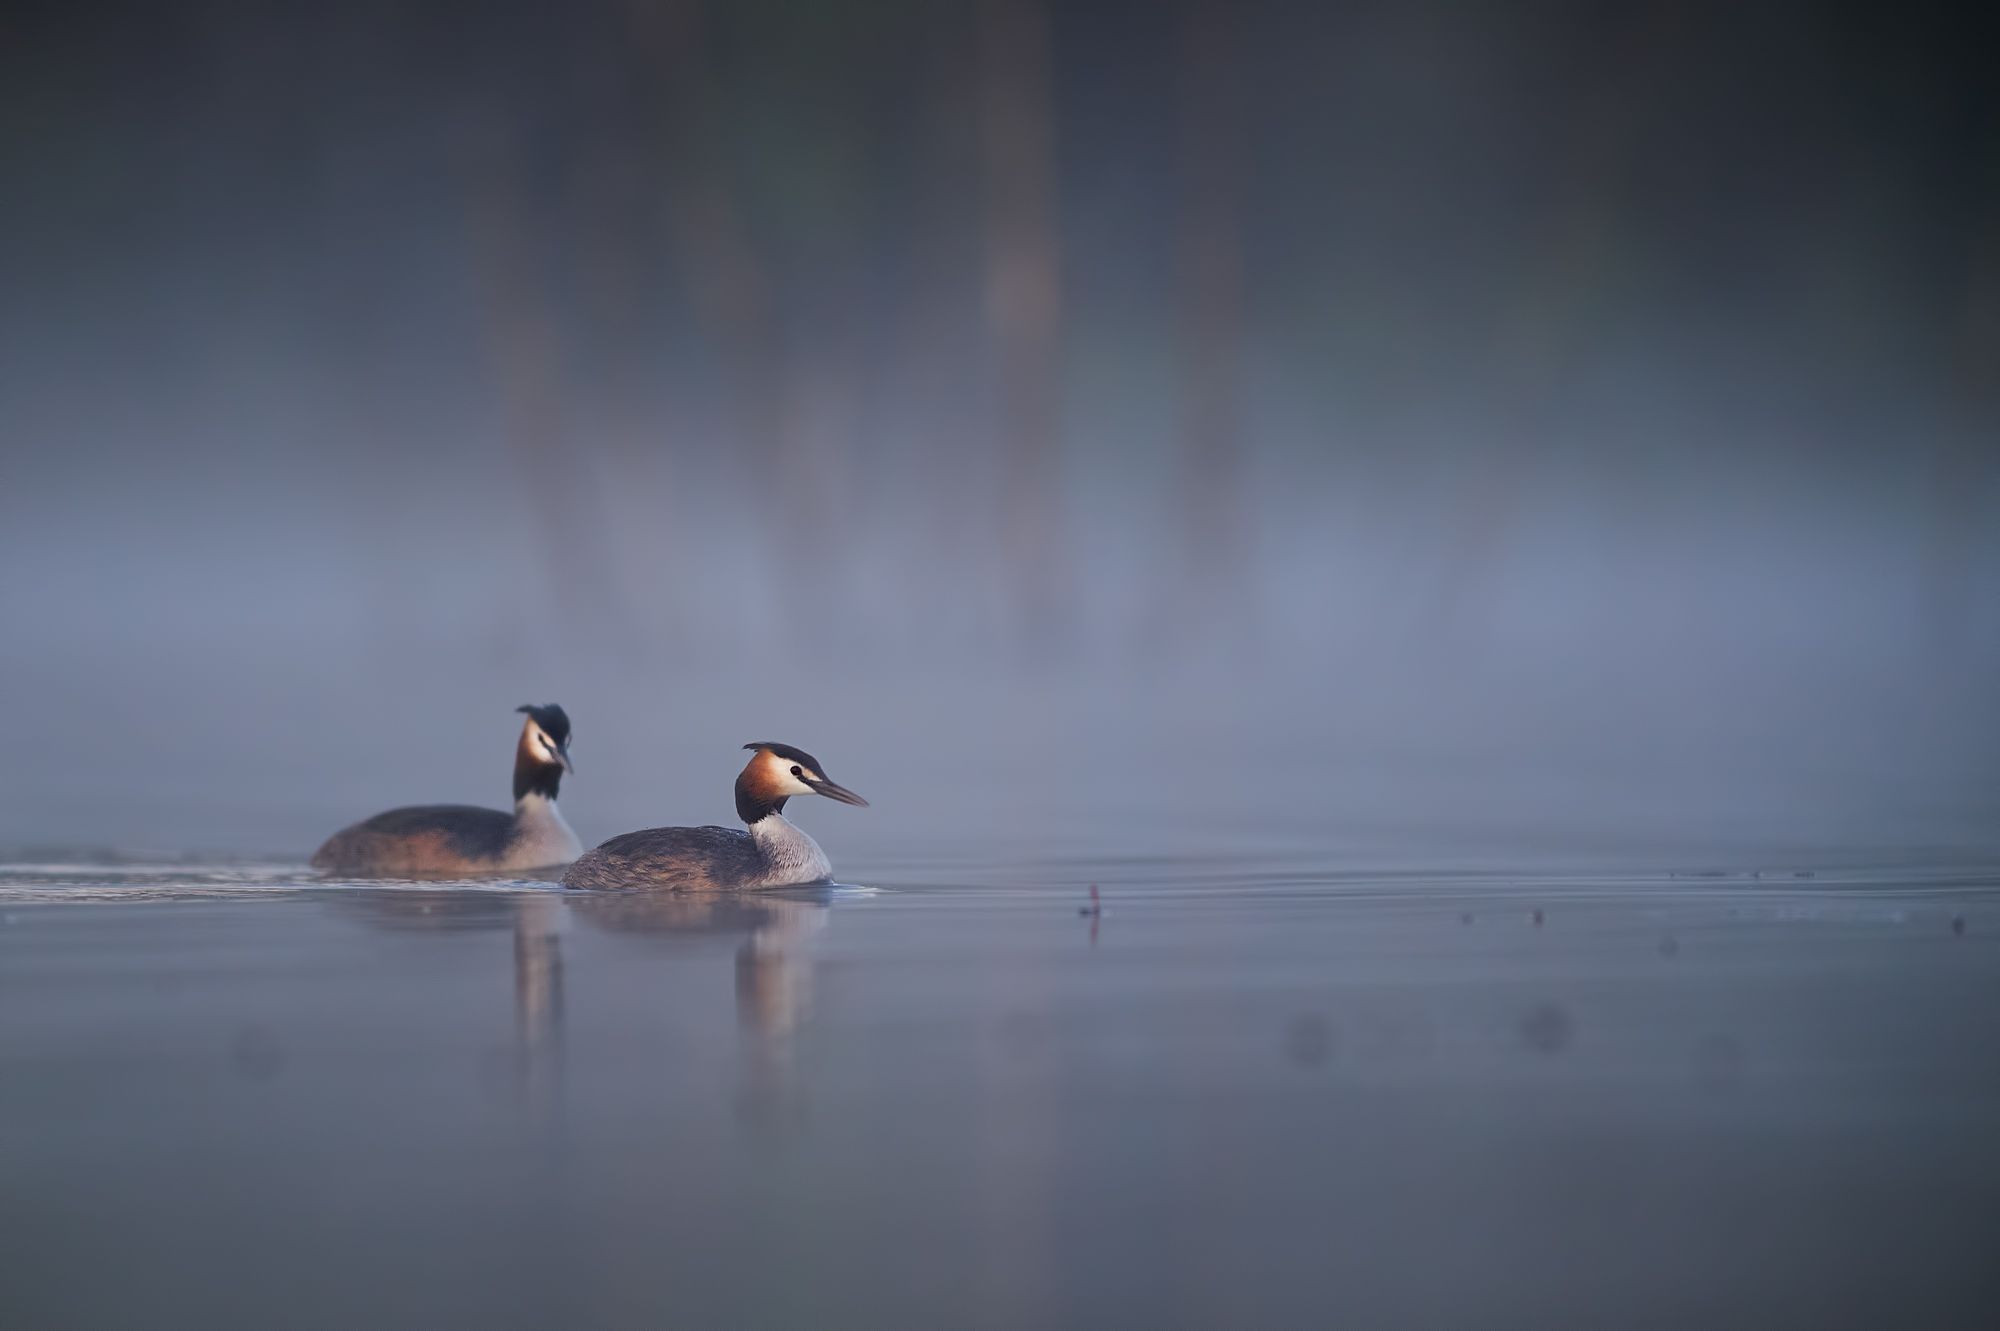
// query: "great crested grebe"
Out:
[772,853]
[438,840]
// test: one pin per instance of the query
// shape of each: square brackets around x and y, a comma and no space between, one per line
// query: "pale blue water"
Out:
[1252,1092]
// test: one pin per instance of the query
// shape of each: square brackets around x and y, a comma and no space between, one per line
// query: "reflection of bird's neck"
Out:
[538,988]
[538,966]
[774,968]
[774,972]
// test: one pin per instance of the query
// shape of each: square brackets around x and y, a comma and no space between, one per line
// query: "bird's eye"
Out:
[797,770]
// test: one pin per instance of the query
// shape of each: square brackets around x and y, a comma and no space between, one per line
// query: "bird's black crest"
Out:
[789,754]
[550,718]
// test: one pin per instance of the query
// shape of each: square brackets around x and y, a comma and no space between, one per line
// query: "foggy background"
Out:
[1407,432]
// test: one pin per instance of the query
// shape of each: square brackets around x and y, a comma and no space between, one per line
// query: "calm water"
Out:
[1249,1093]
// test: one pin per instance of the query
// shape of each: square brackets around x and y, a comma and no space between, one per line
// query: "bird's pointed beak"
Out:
[834,792]
[568,765]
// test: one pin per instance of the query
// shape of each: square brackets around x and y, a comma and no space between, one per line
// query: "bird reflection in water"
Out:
[538,919]
[773,972]
[538,997]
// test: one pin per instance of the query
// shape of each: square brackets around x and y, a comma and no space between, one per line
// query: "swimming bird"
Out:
[772,853]
[455,840]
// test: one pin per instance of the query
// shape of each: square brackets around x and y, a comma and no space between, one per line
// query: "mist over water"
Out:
[1412,589]
[1408,429]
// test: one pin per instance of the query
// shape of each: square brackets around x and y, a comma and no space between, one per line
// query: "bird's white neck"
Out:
[541,835]
[789,854]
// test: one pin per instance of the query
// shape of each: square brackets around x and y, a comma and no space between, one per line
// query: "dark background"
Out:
[1554,425]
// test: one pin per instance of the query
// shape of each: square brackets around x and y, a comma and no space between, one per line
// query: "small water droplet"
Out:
[1548,1028]
[256,1054]
[1309,1039]
[1718,1062]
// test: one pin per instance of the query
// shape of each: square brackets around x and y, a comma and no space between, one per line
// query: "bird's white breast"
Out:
[541,836]
[789,854]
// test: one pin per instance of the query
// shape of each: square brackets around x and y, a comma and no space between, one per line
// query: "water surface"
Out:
[1249,1092]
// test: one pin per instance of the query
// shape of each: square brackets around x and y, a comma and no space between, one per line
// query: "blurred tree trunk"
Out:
[738,305]
[931,367]
[1209,588]
[1544,329]
[615,211]
[1024,304]
[1963,453]
[511,250]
